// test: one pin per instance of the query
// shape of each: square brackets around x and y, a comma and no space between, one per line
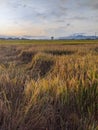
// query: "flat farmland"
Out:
[49,84]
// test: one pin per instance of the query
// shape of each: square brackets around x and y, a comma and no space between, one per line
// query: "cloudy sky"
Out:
[48,17]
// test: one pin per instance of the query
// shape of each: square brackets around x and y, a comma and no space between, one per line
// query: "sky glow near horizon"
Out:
[48,17]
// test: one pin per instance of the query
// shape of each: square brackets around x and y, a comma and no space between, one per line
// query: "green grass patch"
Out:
[64,42]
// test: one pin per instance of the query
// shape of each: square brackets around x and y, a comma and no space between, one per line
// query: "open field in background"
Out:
[49,85]
[48,42]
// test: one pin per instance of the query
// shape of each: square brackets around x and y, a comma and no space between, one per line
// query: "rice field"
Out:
[49,85]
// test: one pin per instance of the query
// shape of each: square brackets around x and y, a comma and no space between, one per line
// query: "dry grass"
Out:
[49,91]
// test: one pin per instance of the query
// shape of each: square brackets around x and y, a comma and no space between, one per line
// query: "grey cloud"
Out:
[46,10]
[68,24]
[92,4]
[79,18]
[53,9]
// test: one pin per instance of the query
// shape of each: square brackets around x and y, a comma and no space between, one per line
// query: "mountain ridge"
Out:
[70,37]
